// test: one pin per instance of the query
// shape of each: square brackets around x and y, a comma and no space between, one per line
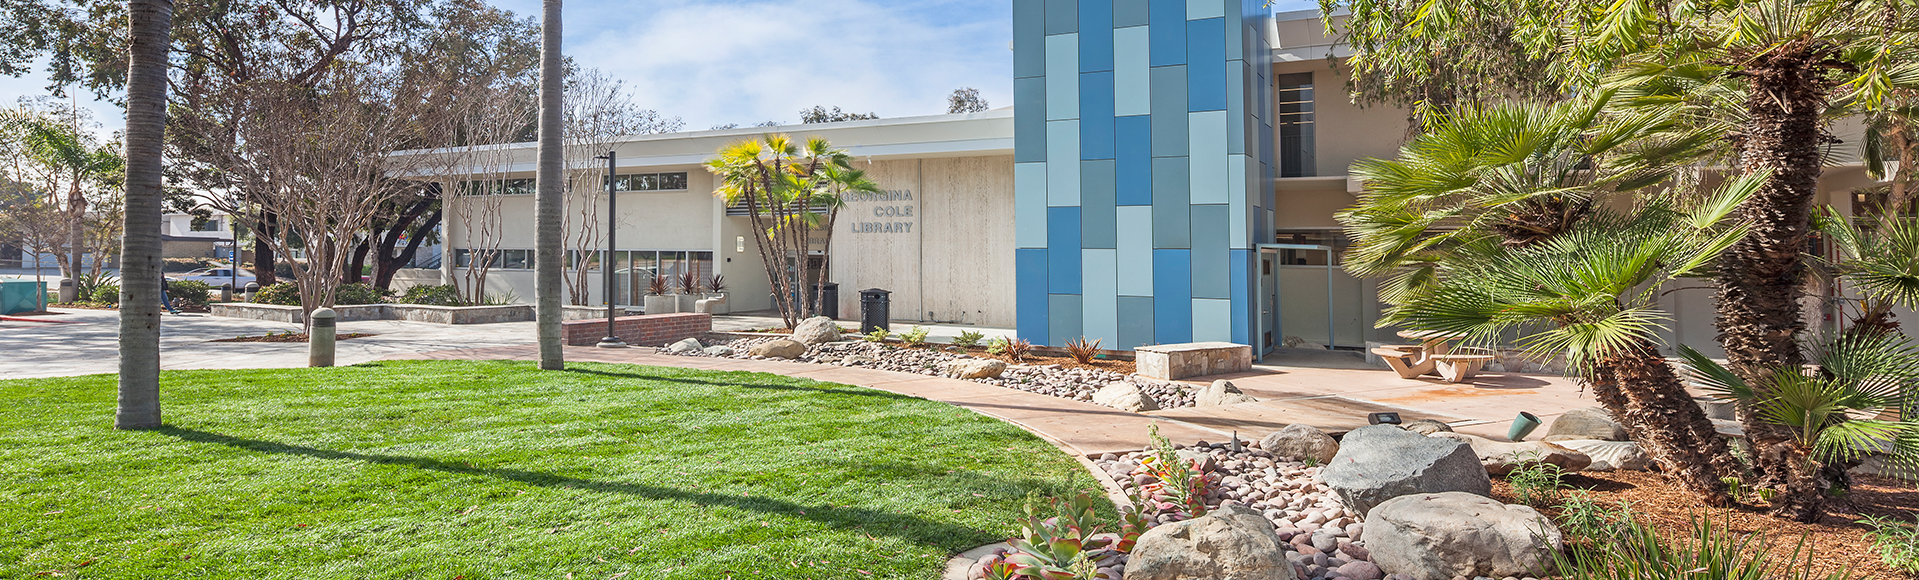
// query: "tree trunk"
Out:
[356,264]
[263,260]
[1641,390]
[551,176]
[1760,277]
[151,22]
[77,228]
[387,263]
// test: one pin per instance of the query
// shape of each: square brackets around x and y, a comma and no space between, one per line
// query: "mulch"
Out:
[1838,539]
[289,337]
[86,305]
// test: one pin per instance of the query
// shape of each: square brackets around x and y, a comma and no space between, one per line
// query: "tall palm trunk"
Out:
[77,227]
[547,282]
[151,22]
[1642,391]
[1760,277]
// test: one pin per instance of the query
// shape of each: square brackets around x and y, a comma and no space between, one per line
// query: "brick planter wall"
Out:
[646,329]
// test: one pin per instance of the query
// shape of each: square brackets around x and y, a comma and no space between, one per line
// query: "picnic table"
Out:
[1434,354]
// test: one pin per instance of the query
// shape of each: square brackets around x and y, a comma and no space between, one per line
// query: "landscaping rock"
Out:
[1125,397]
[1301,442]
[1427,427]
[1222,392]
[816,330]
[719,350]
[1611,455]
[976,368]
[1729,428]
[779,348]
[1586,423]
[1439,536]
[1376,463]
[685,346]
[1501,458]
[1231,543]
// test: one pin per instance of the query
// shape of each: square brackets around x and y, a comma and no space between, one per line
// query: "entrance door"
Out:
[1269,331]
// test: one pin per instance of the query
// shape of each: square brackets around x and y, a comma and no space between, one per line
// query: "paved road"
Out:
[87,342]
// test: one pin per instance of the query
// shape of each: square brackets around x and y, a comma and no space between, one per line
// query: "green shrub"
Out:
[878,335]
[968,338]
[1581,518]
[84,285]
[1897,543]
[105,294]
[282,293]
[433,295]
[1537,483]
[352,294]
[914,337]
[192,292]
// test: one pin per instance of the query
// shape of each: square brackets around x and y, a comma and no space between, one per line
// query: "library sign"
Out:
[881,212]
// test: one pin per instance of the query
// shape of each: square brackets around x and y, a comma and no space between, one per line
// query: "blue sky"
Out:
[713,62]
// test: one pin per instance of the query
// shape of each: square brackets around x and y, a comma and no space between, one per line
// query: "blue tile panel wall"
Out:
[1142,167]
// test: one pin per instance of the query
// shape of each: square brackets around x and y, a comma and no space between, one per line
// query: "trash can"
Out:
[874,306]
[18,296]
[830,300]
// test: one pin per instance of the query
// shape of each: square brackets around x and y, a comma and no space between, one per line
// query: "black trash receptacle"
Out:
[830,300]
[875,305]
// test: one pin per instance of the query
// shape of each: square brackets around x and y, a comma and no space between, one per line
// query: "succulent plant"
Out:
[968,338]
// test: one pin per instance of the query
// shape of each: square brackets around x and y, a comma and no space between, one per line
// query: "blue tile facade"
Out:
[1143,136]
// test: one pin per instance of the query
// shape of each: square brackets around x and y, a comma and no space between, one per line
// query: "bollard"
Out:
[226,292]
[320,338]
[252,288]
[69,292]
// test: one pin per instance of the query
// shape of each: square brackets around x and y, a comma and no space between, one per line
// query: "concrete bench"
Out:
[1168,362]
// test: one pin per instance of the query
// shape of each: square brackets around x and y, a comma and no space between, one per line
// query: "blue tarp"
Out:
[18,296]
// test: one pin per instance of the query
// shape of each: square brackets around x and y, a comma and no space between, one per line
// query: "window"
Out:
[522,186]
[1295,96]
[653,182]
[518,259]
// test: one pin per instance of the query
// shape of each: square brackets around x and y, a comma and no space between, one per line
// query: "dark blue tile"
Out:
[1029,119]
[1133,151]
[1172,203]
[1096,35]
[1066,315]
[1170,132]
[1206,64]
[1062,258]
[1029,38]
[1099,222]
[1130,13]
[1168,32]
[1212,252]
[1096,115]
[1172,298]
[1030,293]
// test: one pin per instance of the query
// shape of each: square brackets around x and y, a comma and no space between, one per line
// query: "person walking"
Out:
[166,301]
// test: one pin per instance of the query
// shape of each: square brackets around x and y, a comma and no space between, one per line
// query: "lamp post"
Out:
[606,264]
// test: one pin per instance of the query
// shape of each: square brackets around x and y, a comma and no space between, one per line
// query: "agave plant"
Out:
[1018,348]
[1853,401]
[717,284]
[689,282]
[1082,350]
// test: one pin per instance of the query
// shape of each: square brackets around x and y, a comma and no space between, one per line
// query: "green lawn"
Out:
[497,470]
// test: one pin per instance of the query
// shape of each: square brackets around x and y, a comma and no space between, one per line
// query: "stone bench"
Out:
[1168,362]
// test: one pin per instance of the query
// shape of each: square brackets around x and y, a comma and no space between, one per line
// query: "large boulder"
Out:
[1301,443]
[1501,458]
[1125,397]
[1439,536]
[778,348]
[1380,462]
[690,345]
[816,330]
[1231,543]
[1586,423]
[1221,392]
[1611,455]
[975,368]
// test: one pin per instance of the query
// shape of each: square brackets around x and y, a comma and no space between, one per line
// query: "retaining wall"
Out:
[645,329]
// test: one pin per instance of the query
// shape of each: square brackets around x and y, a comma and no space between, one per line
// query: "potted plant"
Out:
[716,295]
[689,287]
[659,298]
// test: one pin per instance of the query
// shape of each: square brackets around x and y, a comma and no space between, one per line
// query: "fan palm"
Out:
[791,190]
[1832,408]
[1592,292]
[1882,262]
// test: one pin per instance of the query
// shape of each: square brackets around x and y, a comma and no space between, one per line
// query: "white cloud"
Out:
[758,61]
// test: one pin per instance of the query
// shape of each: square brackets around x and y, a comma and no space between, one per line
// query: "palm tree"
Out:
[791,190]
[1881,262]
[150,22]
[64,148]
[551,177]
[1591,292]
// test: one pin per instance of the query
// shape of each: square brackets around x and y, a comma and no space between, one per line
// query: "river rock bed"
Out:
[1054,380]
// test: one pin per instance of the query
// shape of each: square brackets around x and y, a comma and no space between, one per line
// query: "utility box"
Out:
[18,296]
[875,307]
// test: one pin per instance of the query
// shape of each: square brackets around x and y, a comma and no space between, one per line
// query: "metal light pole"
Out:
[606,264]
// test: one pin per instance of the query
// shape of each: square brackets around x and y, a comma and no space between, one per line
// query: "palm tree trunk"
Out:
[77,227]
[1642,391]
[546,254]
[1760,277]
[151,23]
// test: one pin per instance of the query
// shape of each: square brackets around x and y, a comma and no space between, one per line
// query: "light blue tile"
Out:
[1205,64]
[1062,176]
[1207,135]
[1197,9]
[1029,119]
[1132,72]
[1029,205]
[1212,320]
[1097,224]
[1101,319]
[1029,38]
[1062,77]
[1212,253]
[1030,303]
[1135,322]
[1095,46]
[1130,13]
[1169,106]
[1063,320]
[1135,250]
[1062,16]
[1172,207]
[1168,22]
[1237,195]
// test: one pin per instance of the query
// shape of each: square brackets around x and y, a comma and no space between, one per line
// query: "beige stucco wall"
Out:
[951,259]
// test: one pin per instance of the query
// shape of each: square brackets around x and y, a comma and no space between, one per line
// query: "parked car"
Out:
[216,277]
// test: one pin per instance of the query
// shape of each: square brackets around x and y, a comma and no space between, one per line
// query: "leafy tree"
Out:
[87,166]
[791,190]
[139,389]
[1429,57]
[965,100]
[819,114]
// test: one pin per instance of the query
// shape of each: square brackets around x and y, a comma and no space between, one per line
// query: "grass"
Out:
[469,470]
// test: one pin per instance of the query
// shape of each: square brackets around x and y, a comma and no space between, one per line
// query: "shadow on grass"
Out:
[841,390]
[906,527]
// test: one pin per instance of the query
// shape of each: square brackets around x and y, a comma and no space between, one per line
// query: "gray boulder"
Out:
[1231,543]
[778,348]
[1221,392]
[1501,457]
[1301,443]
[1125,397]
[1586,423]
[816,330]
[685,346]
[1611,455]
[975,368]
[1427,427]
[1380,462]
[719,350]
[1439,536]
